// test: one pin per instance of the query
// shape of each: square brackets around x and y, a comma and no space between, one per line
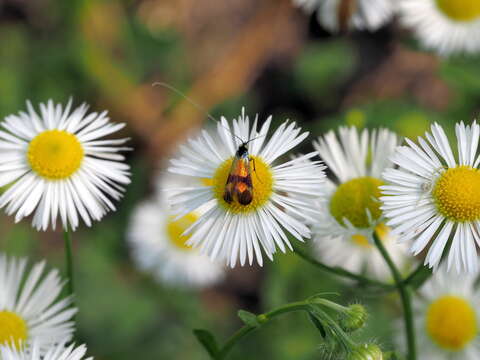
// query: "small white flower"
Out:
[356,253]
[447,26]
[362,14]
[254,212]
[351,211]
[158,245]
[59,166]
[433,198]
[55,352]
[446,318]
[29,310]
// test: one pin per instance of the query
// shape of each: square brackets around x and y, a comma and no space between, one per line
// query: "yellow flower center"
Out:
[457,194]
[381,230]
[361,240]
[460,10]
[55,154]
[175,229]
[352,200]
[13,329]
[257,171]
[451,322]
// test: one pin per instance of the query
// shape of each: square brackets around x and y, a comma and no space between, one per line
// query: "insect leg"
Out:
[254,168]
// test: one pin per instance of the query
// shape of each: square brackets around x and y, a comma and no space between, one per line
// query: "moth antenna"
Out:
[195,104]
[255,138]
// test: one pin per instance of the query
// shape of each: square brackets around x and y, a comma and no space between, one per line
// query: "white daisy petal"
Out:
[348,243]
[58,351]
[29,305]
[59,165]
[445,26]
[237,229]
[158,246]
[367,14]
[444,203]
[445,318]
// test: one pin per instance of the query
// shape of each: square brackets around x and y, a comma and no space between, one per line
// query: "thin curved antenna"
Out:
[255,138]
[198,106]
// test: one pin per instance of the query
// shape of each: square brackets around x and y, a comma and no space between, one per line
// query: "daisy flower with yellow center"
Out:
[354,14]
[59,165]
[447,26]
[351,209]
[159,246]
[251,199]
[30,311]
[433,198]
[446,318]
[54,352]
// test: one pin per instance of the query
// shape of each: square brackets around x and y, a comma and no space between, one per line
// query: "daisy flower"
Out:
[159,246]
[446,318]
[59,165]
[432,197]
[447,26]
[55,352]
[29,310]
[350,211]
[357,14]
[357,254]
[253,212]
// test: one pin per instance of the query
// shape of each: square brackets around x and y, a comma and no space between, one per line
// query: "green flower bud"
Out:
[354,318]
[366,352]
[262,318]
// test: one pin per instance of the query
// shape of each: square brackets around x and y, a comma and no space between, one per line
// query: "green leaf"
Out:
[249,318]
[317,324]
[208,341]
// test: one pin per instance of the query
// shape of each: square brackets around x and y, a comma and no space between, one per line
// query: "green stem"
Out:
[404,291]
[245,330]
[418,277]
[69,262]
[242,332]
[339,271]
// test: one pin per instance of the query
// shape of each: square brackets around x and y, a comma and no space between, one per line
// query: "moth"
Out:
[239,186]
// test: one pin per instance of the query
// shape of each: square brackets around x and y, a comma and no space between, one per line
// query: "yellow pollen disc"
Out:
[361,240]
[353,198]
[13,329]
[175,229]
[55,154]
[457,194]
[451,322]
[206,181]
[460,10]
[262,185]
[381,230]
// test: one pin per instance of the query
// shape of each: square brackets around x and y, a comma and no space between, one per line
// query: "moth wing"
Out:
[239,182]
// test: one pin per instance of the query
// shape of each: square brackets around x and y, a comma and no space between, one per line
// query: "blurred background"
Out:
[265,55]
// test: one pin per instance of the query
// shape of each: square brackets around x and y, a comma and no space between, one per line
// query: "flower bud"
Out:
[354,318]
[366,352]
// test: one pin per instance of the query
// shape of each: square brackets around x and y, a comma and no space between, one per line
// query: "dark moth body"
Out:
[239,185]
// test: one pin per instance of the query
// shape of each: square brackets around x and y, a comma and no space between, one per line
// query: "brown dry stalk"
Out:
[143,106]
